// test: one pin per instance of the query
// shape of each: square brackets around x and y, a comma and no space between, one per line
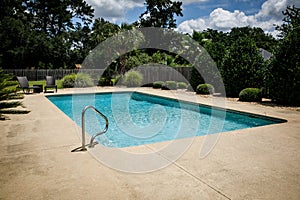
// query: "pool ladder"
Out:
[92,143]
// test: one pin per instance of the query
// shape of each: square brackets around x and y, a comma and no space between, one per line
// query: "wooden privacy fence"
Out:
[150,74]
[40,74]
[163,73]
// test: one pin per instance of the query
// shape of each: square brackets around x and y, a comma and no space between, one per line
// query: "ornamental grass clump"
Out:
[133,79]
[250,95]
[79,80]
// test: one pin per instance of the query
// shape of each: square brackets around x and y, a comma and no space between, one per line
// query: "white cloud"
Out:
[194,24]
[223,20]
[272,9]
[113,9]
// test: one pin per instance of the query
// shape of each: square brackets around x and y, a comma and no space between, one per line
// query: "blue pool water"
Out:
[136,118]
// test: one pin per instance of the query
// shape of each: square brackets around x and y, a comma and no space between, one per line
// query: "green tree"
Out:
[160,13]
[215,43]
[40,33]
[113,51]
[141,57]
[11,8]
[102,30]
[236,55]
[54,21]
[285,67]
[14,33]
[8,97]
[137,58]
[81,43]
[261,39]
[15,43]
[55,17]
[242,66]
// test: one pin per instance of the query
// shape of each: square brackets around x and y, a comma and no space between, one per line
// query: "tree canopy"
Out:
[40,33]
[285,66]
[160,13]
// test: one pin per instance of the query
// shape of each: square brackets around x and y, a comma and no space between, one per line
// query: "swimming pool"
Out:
[137,118]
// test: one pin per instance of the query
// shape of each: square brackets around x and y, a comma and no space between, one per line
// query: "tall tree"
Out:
[56,21]
[160,13]
[242,66]
[55,17]
[215,43]
[39,33]
[261,39]
[14,33]
[81,43]
[102,30]
[285,67]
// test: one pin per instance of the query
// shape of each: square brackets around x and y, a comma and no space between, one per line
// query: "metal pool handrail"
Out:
[92,143]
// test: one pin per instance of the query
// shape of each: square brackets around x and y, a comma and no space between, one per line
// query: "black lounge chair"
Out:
[24,85]
[50,83]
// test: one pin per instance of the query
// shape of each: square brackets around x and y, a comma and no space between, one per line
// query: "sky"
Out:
[199,15]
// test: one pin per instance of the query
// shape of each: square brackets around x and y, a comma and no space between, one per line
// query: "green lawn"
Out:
[43,82]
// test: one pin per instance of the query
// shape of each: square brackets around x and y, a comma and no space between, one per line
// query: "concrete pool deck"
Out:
[255,163]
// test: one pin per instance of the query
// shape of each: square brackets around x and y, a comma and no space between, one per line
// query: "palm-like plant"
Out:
[9,98]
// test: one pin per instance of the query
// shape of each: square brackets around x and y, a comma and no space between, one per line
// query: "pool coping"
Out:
[213,107]
[255,115]
[260,162]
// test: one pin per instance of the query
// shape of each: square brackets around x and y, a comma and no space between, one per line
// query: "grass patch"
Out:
[43,82]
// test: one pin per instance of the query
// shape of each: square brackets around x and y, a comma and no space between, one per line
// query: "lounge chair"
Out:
[50,83]
[24,85]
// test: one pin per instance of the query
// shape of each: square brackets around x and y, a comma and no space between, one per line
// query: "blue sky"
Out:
[203,9]
[202,14]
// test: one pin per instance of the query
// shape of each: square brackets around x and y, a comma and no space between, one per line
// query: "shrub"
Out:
[9,96]
[205,89]
[170,85]
[83,80]
[79,80]
[117,80]
[148,85]
[158,84]
[182,85]
[68,81]
[244,70]
[105,82]
[133,79]
[250,95]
